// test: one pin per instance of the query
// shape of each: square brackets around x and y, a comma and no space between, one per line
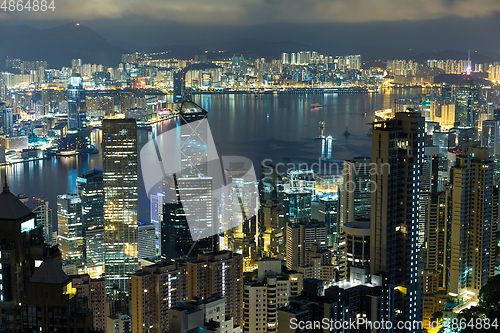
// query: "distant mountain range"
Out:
[59,45]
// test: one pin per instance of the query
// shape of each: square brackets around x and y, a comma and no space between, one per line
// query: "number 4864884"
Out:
[29,5]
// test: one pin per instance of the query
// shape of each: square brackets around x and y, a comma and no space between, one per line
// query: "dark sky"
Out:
[331,26]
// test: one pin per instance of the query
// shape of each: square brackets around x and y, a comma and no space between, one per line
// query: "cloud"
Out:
[251,12]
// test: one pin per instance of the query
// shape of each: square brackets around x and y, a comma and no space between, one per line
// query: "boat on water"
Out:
[346,132]
[315,105]
[369,132]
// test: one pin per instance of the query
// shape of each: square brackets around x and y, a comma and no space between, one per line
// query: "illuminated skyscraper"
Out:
[70,228]
[240,201]
[356,192]
[44,217]
[77,110]
[120,200]
[146,236]
[157,201]
[89,188]
[398,152]
[473,229]
[329,213]
[297,203]
[467,103]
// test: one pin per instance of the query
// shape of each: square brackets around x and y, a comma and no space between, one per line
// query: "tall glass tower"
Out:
[120,200]
[77,110]
[70,228]
[467,103]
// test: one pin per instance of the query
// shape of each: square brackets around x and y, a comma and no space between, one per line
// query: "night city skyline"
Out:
[250,166]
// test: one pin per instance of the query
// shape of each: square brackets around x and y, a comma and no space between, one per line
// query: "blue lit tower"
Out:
[77,110]
[398,154]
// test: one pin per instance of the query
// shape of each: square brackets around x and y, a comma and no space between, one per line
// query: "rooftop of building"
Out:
[11,208]
[49,272]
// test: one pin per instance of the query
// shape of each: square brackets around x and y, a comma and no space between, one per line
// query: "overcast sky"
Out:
[421,24]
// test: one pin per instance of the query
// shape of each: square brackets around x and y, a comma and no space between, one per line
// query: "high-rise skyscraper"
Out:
[265,294]
[120,200]
[179,86]
[297,203]
[154,291]
[356,191]
[146,243]
[43,217]
[70,228]
[218,272]
[240,201]
[300,237]
[191,187]
[473,230]
[329,207]
[397,153]
[467,103]
[77,110]
[89,188]
[157,201]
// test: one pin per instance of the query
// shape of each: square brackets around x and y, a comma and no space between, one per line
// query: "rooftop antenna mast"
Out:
[468,64]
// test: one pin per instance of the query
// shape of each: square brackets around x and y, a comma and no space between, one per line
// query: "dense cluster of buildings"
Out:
[398,236]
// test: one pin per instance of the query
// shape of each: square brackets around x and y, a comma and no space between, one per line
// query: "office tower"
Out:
[202,315]
[197,204]
[43,217]
[8,121]
[299,239]
[77,110]
[179,86]
[95,292]
[297,205]
[94,252]
[467,103]
[146,240]
[293,58]
[70,228]
[361,299]
[154,290]
[51,304]
[120,200]
[354,246]
[271,228]
[23,250]
[157,201]
[438,235]
[473,230]
[357,190]
[176,241]
[265,294]
[329,207]
[240,202]
[89,187]
[218,272]
[397,154]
